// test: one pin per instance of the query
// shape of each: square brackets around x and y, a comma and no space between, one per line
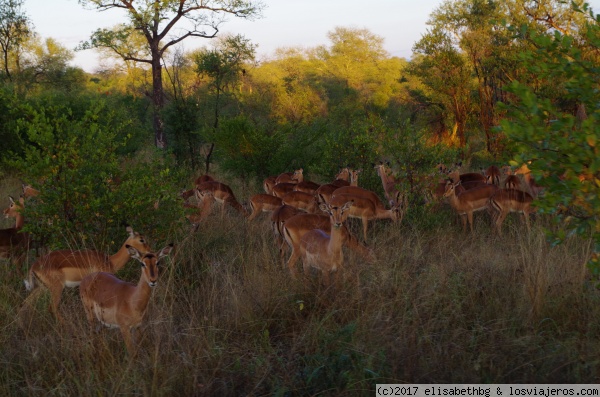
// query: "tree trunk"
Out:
[160,140]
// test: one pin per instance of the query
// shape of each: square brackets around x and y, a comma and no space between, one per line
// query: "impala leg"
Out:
[56,288]
[365,222]
[463,218]
[126,332]
[499,221]
[470,217]
[292,263]
[526,219]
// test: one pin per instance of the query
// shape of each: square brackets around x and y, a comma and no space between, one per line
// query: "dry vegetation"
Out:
[438,306]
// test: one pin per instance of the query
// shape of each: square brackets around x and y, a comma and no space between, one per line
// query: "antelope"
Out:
[366,209]
[468,177]
[511,200]
[205,199]
[388,182]
[280,189]
[354,177]
[222,194]
[278,219]
[116,303]
[287,177]
[511,181]
[66,268]
[302,185]
[468,201]
[534,188]
[341,180]
[298,225]
[263,203]
[492,175]
[303,201]
[13,241]
[271,181]
[29,191]
[323,251]
[203,178]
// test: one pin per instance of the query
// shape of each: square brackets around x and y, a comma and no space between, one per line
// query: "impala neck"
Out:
[336,240]
[119,259]
[142,293]
[19,221]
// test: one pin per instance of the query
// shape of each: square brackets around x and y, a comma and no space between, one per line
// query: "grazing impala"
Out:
[288,177]
[302,185]
[323,251]
[66,268]
[281,189]
[263,203]
[505,201]
[119,304]
[511,181]
[468,201]
[13,241]
[366,209]
[222,194]
[206,200]
[341,180]
[492,175]
[298,225]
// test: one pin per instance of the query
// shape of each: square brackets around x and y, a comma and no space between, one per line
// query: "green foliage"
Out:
[72,160]
[562,147]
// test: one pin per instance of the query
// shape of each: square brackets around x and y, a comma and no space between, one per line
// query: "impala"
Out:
[511,181]
[505,201]
[303,201]
[263,203]
[119,304]
[203,178]
[205,200]
[341,180]
[13,241]
[66,268]
[271,181]
[388,182]
[492,175]
[298,225]
[467,177]
[302,185]
[222,194]
[534,188]
[366,209]
[281,189]
[29,191]
[278,219]
[469,201]
[323,251]
[287,177]
[354,177]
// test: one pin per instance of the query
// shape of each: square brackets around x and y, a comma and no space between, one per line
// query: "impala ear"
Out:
[12,201]
[129,230]
[347,206]
[133,252]
[165,251]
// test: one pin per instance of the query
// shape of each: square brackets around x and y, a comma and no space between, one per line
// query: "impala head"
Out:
[337,215]
[29,191]
[354,176]
[450,187]
[507,170]
[14,208]
[343,174]
[298,175]
[202,194]
[137,241]
[442,169]
[149,262]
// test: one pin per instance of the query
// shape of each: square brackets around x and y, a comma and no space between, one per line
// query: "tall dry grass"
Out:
[438,306]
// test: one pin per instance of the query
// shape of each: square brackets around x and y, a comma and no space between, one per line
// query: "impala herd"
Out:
[308,221]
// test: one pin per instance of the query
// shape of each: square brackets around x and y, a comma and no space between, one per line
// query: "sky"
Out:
[285,23]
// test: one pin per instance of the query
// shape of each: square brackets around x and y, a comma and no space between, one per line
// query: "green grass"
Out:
[438,306]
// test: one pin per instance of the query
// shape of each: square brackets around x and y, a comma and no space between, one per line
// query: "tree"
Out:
[561,143]
[14,30]
[156,20]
